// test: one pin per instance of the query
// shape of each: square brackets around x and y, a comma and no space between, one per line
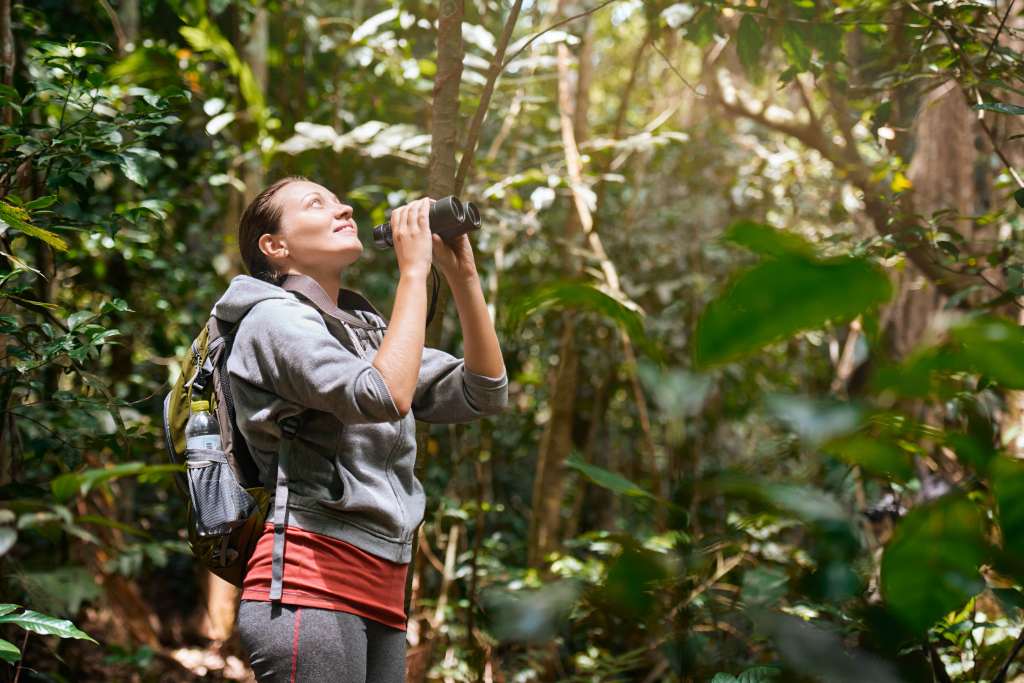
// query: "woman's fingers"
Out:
[423,213]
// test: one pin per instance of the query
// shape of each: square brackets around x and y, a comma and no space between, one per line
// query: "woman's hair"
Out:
[262,216]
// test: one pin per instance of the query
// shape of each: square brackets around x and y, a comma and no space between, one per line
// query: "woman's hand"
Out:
[410,233]
[456,262]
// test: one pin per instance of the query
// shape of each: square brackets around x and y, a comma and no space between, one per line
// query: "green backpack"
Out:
[227,505]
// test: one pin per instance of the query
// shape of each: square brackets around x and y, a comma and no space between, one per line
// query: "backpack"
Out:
[226,503]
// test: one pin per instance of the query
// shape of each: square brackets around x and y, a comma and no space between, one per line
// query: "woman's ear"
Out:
[272,246]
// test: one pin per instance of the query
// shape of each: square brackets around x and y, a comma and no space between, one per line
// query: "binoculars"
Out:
[448,218]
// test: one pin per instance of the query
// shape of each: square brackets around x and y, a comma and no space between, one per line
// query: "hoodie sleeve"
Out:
[446,392]
[286,348]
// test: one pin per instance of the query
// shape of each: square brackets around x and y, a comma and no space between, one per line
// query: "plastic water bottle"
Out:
[202,429]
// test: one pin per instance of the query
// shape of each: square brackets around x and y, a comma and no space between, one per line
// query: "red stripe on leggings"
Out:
[295,644]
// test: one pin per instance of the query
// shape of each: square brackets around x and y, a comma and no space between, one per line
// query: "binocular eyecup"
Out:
[448,218]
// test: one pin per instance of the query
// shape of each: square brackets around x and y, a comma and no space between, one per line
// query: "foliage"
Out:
[760,481]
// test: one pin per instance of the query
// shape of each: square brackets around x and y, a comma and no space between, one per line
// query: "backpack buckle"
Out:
[289,426]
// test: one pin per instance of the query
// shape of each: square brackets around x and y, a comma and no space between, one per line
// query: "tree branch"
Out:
[552,28]
[469,148]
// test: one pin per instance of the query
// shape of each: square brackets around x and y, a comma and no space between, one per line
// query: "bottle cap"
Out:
[200,405]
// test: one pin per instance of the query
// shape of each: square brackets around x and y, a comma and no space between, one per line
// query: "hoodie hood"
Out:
[244,292]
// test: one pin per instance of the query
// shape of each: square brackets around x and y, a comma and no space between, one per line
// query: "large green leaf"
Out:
[46,625]
[205,36]
[582,295]
[9,652]
[604,478]
[993,347]
[930,567]
[783,296]
[767,241]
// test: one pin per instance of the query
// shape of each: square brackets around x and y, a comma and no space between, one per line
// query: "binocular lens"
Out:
[448,218]
[455,208]
[473,214]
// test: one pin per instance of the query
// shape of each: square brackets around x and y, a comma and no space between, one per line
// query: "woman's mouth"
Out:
[345,226]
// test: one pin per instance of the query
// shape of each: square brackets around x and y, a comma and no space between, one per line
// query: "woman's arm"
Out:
[398,358]
[481,349]
[479,340]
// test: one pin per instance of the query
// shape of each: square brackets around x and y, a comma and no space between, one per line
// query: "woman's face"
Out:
[317,232]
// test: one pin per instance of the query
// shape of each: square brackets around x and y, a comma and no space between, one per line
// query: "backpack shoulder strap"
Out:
[312,292]
[289,427]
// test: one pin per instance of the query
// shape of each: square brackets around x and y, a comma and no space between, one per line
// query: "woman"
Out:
[333,607]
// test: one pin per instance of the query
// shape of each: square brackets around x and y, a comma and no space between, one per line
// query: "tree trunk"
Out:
[7,59]
[444,135]
[128,13]
[941,171]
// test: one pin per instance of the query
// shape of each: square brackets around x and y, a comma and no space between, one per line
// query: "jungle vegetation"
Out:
[756,267]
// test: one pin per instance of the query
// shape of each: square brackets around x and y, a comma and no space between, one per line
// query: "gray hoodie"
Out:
[351,466]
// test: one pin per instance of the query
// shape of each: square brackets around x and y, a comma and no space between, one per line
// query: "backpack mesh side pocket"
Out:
[220,503]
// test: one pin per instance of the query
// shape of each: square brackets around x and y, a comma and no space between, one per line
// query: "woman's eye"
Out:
[316,202]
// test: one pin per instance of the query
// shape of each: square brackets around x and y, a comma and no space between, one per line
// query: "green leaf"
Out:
[993,347]
[1002,108]
[606,479]
[814,420]
[724,678]
[68,485]
[764,586]
[9,652]
[702,28]
[796,49]
[875,455]
[8,536]
[584,295]
[132,168]
[759,674]
[930,567]
[1018,197]
[18,218]
[628,583]
[7,608]
[46,625]
[780,297]
[767,241]
[75,319]
[749,41]
[805,503]
[42,202]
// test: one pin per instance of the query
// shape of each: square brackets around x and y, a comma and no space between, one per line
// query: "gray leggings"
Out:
[291,644]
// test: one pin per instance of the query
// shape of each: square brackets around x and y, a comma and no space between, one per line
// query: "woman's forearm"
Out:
[400,353]
[481,349]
